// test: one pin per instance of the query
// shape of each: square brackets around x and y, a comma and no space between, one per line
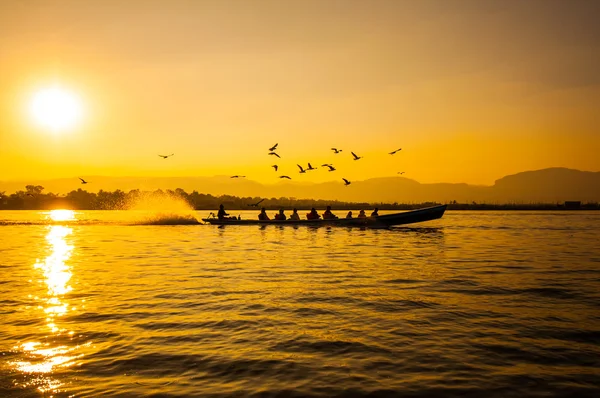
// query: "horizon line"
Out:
[91,176]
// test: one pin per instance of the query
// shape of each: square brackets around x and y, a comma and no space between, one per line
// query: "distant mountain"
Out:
[547,185]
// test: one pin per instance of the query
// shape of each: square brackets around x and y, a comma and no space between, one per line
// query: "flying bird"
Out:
[301,169]
[325,165]
[289,178]
[237,176]
[356,157]
[275,167]
[310,167]
[397,150]
[400,172]
[83,181]
[346,182]
[331,168]
[335,150]
[273,147]
[166,156]
[256,204]
[274,154]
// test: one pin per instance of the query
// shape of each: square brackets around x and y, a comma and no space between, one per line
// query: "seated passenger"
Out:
[280,216]
[349,215]
[375,213]
[263,215]
[295,216]
[221,214]
[313,215]
[362,214]
[328,215]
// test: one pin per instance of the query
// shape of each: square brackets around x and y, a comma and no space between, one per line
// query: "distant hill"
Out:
[547,185]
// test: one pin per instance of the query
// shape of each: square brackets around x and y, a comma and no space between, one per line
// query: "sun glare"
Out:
[61,215]
[56,109]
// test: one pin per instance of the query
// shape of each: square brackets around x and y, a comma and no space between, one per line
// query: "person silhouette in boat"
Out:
[375,213]
[361,214]
[349,215]
[328,215]
[263,215]
[280,216]
[295,216]
[221,214]
[313,215]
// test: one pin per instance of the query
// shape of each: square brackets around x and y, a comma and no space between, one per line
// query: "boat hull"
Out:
[387,220]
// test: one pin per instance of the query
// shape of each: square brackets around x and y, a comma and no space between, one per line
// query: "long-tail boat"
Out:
[383,221]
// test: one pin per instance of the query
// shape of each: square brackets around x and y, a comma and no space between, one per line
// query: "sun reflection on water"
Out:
[41,359]
[57,274]
[61,215]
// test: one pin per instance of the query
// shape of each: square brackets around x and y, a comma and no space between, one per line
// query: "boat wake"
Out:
[124,219]
[169,219]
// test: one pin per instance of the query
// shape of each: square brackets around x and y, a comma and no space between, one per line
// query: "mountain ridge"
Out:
[550,185]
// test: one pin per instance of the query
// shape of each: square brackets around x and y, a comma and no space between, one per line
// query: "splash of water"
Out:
[162,208]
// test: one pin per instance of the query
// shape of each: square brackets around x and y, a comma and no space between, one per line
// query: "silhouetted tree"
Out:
[34,189]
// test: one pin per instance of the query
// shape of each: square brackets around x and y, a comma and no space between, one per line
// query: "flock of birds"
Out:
[273,149]
[273,152]
[303,170]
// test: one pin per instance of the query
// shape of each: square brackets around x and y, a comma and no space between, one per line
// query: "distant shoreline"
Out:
[383,207]
[33,198]
[380,207]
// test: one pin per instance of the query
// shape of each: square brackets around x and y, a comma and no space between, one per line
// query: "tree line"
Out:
[34,198]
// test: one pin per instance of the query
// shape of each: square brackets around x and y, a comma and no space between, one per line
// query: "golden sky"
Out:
[471,90]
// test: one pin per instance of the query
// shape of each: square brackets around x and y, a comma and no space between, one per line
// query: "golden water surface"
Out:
[475,304]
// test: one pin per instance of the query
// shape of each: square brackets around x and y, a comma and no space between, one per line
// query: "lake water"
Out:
[477,304]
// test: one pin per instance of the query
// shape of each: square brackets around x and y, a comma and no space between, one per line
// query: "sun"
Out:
[56,109]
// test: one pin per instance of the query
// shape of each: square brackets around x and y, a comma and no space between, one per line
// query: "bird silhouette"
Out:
[288,177]
[256,204]
[274,154]
[356,157]
[400,172]
[301,169]
[83,181]
[237,176]
[166,156]
[346,182]
[325,165]
[331,168]
[335,150]
[275,167]
[310,167]
[273,147]
[397,150]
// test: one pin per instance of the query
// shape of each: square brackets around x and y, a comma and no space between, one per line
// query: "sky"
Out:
[470,90]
